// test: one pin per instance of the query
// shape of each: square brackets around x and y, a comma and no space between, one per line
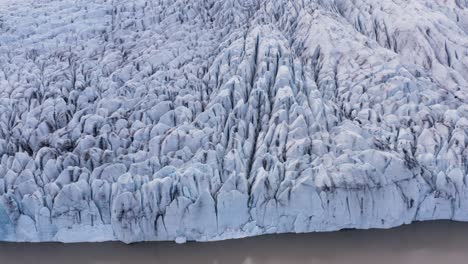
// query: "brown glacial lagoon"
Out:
[438,242]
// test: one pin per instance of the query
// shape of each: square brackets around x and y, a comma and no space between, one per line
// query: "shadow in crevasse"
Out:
[429,242]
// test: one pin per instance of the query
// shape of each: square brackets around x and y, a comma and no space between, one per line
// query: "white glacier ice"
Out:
[214,119]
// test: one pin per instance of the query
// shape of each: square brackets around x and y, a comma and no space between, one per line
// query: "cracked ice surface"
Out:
[205,120]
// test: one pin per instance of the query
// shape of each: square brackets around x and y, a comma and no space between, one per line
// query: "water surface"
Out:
[421,243]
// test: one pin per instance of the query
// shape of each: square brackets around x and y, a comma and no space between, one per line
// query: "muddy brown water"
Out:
[440,242]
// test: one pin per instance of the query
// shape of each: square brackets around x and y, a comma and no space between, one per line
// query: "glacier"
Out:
[201,120]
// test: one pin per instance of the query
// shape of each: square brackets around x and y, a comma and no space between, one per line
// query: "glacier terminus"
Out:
[201,120]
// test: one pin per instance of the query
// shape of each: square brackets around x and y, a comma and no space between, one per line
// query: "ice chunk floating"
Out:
[207,120]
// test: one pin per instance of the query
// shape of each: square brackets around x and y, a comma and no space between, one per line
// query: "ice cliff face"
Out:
[203,119]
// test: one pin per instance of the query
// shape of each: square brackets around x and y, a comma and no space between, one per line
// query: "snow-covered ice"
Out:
[206,120]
